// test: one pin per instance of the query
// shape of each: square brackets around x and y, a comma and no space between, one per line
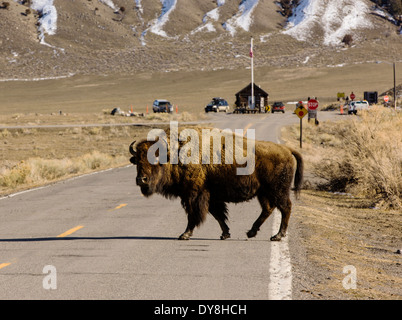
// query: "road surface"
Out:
[97,237]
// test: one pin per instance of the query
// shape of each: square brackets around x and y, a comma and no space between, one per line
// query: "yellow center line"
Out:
[68,232]
[121,206]
[2,265]
[246,127]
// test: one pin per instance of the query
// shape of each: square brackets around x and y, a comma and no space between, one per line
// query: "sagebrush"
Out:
[37,171]
[369,160]
[361,156]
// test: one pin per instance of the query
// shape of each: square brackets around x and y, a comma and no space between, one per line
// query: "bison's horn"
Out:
[132,151]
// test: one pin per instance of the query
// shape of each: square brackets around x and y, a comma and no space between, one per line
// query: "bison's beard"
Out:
[146,191]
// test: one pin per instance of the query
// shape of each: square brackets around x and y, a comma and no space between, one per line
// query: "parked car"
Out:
[161,105]
[358,105]
[216,105]
[278,106]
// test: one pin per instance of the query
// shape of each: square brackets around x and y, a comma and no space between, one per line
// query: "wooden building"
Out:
[243,99]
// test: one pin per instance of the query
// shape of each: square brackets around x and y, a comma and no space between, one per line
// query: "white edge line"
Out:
[280,268]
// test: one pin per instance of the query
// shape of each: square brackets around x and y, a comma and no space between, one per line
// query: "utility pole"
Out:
[394,89]
[252,73]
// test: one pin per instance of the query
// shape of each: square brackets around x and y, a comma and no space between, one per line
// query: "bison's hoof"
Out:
[225,236]
[276,237]
[251,233]
[184,237]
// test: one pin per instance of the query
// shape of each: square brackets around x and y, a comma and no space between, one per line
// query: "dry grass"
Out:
[190,90]
[104,117]
[37,171]
[359,160]
[336,233]
[33,157]
[361,156]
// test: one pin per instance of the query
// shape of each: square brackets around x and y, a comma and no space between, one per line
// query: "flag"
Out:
[251,51]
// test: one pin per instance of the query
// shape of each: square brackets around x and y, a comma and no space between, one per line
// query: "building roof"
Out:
[257,89]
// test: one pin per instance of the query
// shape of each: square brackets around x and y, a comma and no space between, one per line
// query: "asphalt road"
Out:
[97,237]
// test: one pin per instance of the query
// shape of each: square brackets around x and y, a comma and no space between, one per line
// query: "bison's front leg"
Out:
[196,207]
[186,235]
[219,211]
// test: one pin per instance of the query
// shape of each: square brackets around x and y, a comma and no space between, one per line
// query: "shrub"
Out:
[396,7]
[347,39]
[15,176]
[369,163]
[36,171]
[5,5]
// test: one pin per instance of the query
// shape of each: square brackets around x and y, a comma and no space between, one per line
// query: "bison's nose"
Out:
[142,181]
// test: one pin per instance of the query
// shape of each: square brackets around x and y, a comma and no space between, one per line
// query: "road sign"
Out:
[340,95]
[301,112]
[386,98]
[352,96]
[312,104]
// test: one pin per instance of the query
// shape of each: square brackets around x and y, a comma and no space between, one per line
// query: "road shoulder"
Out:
[332,239]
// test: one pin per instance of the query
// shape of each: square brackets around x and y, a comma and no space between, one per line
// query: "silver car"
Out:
[216,105]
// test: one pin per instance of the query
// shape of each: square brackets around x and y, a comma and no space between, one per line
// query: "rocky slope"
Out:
[61,37]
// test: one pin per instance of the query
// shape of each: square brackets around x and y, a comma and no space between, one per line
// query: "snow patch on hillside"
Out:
[138,6]
[208,19]
[48,17]
[214,14]
[109,3]
[243,18]
[157,24]
[336,18]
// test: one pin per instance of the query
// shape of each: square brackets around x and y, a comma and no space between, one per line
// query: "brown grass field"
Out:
[350,213]
[190,91]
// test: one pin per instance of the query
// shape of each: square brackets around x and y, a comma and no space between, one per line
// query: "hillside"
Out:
[58,38]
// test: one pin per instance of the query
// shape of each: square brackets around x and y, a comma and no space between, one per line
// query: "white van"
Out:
[358,105]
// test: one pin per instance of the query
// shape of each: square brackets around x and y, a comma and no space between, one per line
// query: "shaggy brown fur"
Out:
[205,188]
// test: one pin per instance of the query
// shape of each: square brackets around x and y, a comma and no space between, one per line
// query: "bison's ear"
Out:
[133,160]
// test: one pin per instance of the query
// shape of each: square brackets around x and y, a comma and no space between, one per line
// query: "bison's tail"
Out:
[299,172]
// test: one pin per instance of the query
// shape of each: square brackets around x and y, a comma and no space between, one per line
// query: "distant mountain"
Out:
[48,38]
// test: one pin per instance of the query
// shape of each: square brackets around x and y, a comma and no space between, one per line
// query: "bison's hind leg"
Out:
[219,212]
[285,208]
[266,212]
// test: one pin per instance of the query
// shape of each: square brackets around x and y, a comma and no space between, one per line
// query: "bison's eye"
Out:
[141,181]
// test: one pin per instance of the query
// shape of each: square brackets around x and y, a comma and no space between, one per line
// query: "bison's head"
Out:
[149,175]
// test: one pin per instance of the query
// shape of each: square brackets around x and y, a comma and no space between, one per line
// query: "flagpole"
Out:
[252,73]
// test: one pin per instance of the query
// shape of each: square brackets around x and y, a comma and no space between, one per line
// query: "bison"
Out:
[206,187]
